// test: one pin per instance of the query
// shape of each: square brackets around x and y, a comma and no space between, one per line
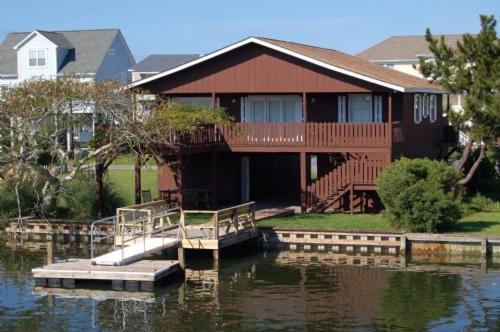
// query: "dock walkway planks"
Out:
[135,252]
[82,269]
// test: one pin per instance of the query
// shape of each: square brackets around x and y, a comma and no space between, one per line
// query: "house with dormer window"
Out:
[87,55]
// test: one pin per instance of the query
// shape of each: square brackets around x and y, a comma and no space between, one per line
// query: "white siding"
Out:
[116,62]
[26,72]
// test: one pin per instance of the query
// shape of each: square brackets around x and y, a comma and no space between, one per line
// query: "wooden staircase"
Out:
[349,172]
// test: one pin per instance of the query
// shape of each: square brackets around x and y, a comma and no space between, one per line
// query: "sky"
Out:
[155,26]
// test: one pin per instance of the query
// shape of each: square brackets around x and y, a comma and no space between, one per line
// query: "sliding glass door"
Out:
[272,109]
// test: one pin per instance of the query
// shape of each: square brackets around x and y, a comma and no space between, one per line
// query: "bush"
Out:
[8,200]
[419,194]
[79,200]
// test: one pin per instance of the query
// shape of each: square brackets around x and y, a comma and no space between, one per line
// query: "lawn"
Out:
[123,181]
[337,221]
[481,223]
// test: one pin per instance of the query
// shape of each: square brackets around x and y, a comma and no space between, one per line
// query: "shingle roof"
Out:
[355,64]
[404,48]
[156,63]
[323,57]
[57,38]
[88,49]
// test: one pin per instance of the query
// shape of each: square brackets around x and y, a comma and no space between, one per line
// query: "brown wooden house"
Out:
[315,126]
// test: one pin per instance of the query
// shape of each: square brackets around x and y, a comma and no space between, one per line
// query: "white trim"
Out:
[418,103]
[341,109]
[28,37]
[276,48]
[377,109]
[432,108]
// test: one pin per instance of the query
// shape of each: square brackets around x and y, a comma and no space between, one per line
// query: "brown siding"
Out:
[423,139]
[256,69]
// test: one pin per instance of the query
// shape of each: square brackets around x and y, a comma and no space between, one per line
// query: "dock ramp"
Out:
[135,252]
[137,232]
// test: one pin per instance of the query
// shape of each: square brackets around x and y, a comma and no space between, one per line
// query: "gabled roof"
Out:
[404,48]
[156,63]
[56,38]
[87,51]
[327,58]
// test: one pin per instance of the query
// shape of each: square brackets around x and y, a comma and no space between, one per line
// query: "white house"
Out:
[88,55]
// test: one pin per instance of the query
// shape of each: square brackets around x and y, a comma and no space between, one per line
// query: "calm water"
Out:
[260,291]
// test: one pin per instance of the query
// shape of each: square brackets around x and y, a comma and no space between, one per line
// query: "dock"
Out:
[141,230]
[140,275]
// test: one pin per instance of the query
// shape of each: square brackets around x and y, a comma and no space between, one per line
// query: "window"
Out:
[425,107]
[360,107]
[417,111]
[37,58]
[377,111]
[433,108]
[274,109]
[342,109]
[198,102]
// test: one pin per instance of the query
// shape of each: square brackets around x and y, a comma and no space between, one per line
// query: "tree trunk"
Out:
[138,187]
[99,175]
[465,155]
[474,167]
[49,193]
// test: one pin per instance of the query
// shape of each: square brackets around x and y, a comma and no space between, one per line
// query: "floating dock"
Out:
[140,275]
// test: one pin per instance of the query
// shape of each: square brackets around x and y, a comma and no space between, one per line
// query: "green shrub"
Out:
[480,203]
[79,199]
[419,194]
[8,200]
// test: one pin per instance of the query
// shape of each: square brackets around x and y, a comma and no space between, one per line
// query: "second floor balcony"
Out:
[308,135]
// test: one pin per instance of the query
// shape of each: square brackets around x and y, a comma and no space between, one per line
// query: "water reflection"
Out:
[255,290]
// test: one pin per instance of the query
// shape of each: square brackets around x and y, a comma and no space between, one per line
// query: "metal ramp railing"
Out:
[138,230]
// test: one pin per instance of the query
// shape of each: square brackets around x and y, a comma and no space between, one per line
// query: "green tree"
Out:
[472,69]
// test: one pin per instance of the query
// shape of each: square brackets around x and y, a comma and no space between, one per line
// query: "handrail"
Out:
[216,219]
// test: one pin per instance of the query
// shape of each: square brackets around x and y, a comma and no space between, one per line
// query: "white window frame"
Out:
[425,106]
[417,108]
[37,58]
[351,110]
[433,108]
[377,109]
[341,110]
[247,111]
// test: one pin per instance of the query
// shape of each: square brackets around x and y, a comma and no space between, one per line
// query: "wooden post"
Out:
[304,107]
[351,198]
[181,257]
[215,254]
[213,100]
[389,110]
[303,182]
[213,179]
[50,252]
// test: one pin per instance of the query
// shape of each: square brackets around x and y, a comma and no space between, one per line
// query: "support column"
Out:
[304,107]
[181,257]
[213,179]
[215,254]
[389,110]
[137,177]
[303,182]
[213,100]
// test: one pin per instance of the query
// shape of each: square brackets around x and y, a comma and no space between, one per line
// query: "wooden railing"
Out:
[360,171]
[223,223]
[309,134]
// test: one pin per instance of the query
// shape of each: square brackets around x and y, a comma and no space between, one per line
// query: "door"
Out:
[360,107]
[245,179]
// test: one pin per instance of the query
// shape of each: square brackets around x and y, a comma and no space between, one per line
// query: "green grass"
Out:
[124,182]
[480,223]
[337,221]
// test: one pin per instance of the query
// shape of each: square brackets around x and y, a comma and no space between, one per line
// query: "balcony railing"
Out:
[309,134]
